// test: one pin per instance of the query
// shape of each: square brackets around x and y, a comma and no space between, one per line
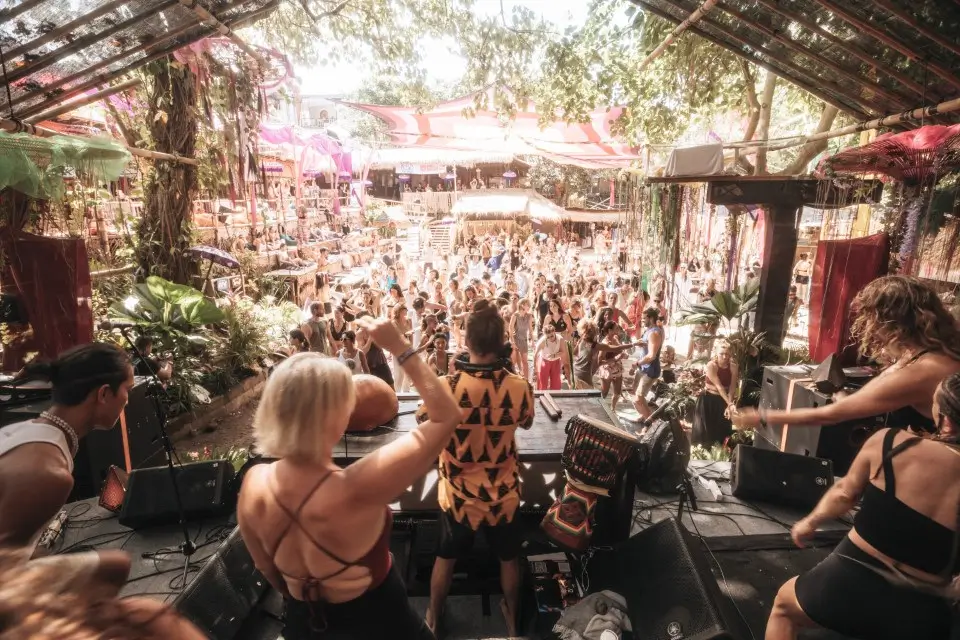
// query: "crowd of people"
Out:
[495,317]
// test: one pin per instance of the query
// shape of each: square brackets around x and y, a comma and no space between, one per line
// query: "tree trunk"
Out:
[763,127]
[164,231]
[811,150]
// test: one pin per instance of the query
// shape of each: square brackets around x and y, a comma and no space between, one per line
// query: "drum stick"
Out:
[551,410]
[553,403]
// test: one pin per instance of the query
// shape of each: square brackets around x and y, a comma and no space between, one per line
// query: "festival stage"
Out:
[748,544]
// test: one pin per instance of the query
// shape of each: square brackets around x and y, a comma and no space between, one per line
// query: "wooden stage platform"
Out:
[748,543]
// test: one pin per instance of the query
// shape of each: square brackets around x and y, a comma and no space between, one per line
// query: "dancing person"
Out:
[338,326]
[439,360]
[900,320]
[479,486]
[521,328]
[374,355]
[350,356]
[716,404]
[317,330]
[610,368]
[648,366]
[587,352]
[890,577]
[66,597]
[558,318]
[297,342]
[401,319]
[801,277]
[550,360]
[319,533]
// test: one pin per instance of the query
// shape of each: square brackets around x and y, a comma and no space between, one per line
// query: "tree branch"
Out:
[763,126]
[131,138]
[754,105]
[811,150]
[326,14]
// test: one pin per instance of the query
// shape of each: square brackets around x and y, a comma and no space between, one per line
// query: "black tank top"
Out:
[897,530]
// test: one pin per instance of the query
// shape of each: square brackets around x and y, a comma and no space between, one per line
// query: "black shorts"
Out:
[841,595]
[456,539]
[802,279]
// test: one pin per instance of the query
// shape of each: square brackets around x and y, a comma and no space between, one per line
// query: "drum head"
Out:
[609,428]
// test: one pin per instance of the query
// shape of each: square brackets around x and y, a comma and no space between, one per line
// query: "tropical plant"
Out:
[168,312]
[236,456]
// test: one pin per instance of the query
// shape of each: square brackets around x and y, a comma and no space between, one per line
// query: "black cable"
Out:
[88,544]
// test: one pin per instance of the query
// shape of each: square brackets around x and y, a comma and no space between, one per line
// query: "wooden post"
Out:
[779,247]
[90,99]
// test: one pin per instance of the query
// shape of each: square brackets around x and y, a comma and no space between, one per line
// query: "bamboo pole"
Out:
[82,43]
[93,97]
[108,273]
[905,17]
[752,57]
[672,37]
[862,107]
[840,43]
[778,36]
[16,126]
[876,34]
[12,12]
[208,18]
[62,30]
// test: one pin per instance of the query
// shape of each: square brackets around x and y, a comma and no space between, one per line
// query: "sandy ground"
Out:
[230,432]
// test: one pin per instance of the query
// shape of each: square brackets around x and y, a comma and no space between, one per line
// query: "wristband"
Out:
[406,355]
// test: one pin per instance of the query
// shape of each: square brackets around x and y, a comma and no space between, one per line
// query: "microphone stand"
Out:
[187,547]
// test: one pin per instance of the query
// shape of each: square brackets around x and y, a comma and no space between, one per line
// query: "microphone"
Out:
[110,325]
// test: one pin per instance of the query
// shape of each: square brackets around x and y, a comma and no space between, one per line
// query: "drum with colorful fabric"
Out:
[596,453]
[569,522]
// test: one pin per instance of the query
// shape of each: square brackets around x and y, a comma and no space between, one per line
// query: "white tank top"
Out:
[551,350]
[351,363]
[29,432]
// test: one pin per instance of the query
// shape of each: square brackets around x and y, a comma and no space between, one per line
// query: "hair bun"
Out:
[45,370]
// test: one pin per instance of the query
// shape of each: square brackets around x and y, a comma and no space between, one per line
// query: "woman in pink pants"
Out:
[552,353]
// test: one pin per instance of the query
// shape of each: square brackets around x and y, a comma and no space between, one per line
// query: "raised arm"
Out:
[384,474]
[844,494]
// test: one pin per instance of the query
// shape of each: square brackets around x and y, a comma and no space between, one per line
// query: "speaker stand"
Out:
[686,494]
[187,547]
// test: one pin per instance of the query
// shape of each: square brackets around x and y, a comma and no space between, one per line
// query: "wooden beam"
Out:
[813,90]
[912,22]
[837,88]
[12,12]
[93,97]
[63,30]
[17,126]
[876,34]
[840,43]
[676,33]
[208,18]
[897,100]
[82,43]
[106,62]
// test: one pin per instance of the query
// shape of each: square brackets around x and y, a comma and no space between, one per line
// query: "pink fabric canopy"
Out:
[311,148]
[589,145]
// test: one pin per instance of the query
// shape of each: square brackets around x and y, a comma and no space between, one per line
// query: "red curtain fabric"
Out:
[842,268]
[51,278]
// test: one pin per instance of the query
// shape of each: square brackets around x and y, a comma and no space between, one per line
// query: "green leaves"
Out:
[162,306]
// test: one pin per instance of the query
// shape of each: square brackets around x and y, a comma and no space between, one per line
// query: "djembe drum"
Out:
[594,457]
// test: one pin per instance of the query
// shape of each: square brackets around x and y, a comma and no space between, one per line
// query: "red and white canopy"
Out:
[589,145]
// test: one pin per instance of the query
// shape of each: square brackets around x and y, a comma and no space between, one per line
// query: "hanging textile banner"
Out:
[421,169]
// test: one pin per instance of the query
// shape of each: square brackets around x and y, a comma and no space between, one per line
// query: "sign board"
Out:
[426,169]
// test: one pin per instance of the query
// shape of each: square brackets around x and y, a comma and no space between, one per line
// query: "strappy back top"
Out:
[377,560]
[896,529]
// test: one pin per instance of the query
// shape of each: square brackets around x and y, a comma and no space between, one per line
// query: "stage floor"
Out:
[749,546]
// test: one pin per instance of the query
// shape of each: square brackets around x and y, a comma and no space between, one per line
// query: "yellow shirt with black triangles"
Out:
[479,474]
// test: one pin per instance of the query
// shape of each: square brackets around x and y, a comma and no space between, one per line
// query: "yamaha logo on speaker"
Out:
[674,630]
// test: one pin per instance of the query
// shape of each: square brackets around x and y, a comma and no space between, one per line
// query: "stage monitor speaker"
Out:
[779,478]
[225,591]
[204,490]
[670,590]
[828,377]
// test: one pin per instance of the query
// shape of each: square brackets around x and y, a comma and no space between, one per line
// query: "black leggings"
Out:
[843,596]
[383,612]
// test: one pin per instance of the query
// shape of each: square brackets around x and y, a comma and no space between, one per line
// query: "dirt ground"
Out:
[233,431]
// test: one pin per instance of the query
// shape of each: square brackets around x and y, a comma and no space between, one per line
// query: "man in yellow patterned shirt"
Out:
[479,486]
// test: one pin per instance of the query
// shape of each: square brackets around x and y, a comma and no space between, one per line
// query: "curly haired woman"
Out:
[902,321]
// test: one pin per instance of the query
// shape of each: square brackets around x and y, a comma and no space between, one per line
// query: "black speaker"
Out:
[828,377]
[204,490]
[670,590]
[225,591]
[779,478]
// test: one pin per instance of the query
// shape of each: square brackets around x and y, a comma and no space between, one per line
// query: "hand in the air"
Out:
[802,532]
[384,333]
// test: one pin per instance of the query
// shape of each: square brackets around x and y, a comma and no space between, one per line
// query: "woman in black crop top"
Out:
[902,321]
[889,578]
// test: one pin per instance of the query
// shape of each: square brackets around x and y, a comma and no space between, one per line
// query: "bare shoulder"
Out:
[251,504]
